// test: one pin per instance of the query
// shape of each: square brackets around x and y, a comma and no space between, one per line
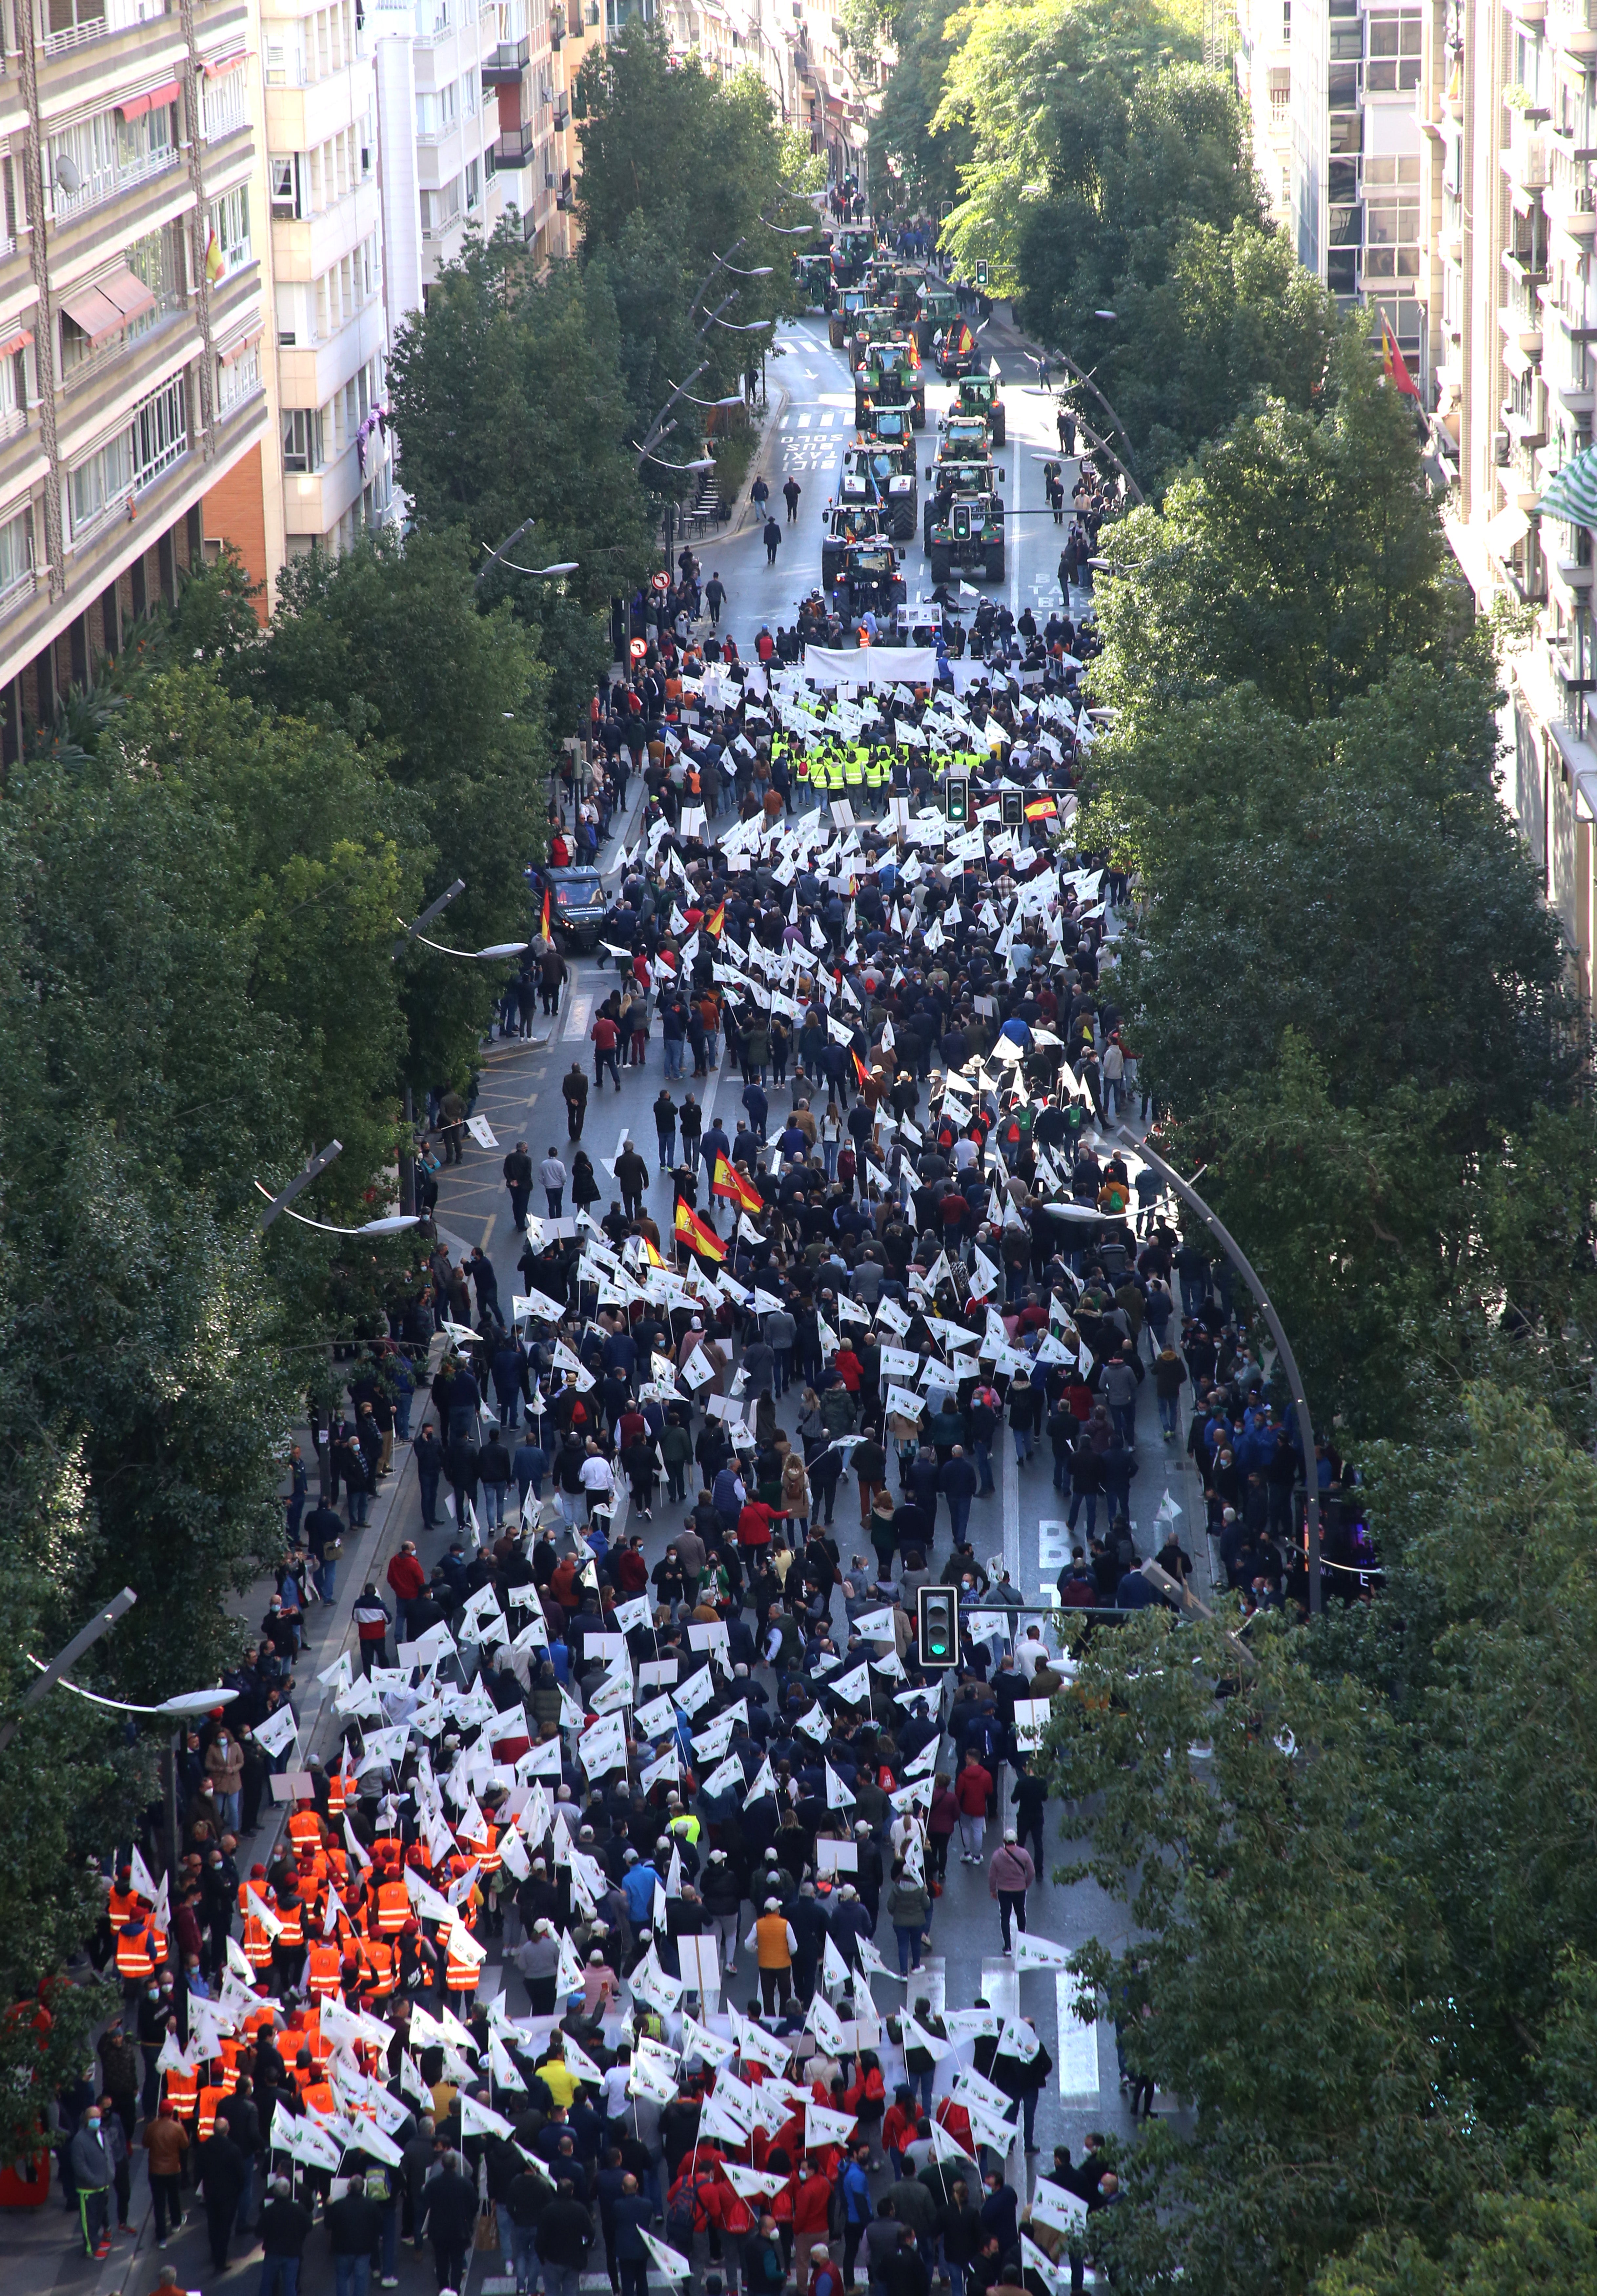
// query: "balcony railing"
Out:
[123,16]
[513,151]
[1573,25]
[110,183]
[506,64]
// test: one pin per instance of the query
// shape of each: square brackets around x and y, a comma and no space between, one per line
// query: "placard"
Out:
[658,1674]
[699,1958]
[836,1857]
[292,1785]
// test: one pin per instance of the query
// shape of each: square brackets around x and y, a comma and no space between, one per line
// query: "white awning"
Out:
[1506,531]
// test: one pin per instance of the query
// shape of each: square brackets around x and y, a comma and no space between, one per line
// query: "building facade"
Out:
[1508,216]
[132,357]
[327,266]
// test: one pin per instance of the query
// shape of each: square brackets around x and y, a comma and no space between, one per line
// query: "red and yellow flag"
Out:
[914,352]
[860,1070]
[1040,808]
[653,1253]
[715,921]
[730,1183]
[692,1231]
[964,342]
[1395,365]
[544,921]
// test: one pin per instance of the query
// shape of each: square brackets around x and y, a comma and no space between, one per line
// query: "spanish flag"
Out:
[544,921]
[653,1253]
[914,353]
[1040,808]
[860,1070]
[730,1183]
[717,919]
[964,342]
[1393,363]
[692,1231]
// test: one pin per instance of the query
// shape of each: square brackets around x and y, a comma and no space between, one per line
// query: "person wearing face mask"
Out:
[224,1767]
[89,2158]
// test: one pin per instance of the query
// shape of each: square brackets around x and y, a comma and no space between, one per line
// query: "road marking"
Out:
[1078,2074]
[578,1020]
[826,421]
[804,421]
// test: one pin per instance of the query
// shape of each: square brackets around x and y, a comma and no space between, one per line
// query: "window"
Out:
[133,458]
[301,438]
[1394,54]
[284,175]
[226,104]
[1346,44]
[16,553]
[469,88]
[440,209]
[473,185]
[229,233]
[237,378]
[1343,95]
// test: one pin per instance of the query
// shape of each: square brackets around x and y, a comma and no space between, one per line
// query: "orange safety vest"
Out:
[337,1794]
[293,1917]
[323,1964]
[260,2020]
[393,1907]
[383,1963]
[388,1850]
[305,1830]
[320,2098]
[485,1849]
[771,1942]
[257,1945]
[460,1976]
[120,1908]
[182,2093]
[209,2098]
[134,1959]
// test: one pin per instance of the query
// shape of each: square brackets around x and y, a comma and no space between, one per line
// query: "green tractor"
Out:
[968,536]
[979,395]
[947,479]
[887,374]
[881,470]
[868,578]
[938,311]
[843,317]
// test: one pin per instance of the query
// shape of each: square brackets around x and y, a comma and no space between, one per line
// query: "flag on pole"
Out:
[860,1070]
[692,1231]
[544,920]
[715,923]
[730,1183]
[1393,363]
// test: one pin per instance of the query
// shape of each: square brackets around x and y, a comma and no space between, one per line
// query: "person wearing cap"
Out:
[1010,1874]
[773,1941]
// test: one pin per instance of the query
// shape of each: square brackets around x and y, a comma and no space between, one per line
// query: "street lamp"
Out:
[117,1607]
[1238,1260]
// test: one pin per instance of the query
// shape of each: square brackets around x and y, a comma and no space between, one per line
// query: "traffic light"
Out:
[981,275]
[937,1610]
[956,798]
[1014,807]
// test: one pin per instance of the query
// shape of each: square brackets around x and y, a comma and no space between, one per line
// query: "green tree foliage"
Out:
[387,645]
[680,167]
[915,157]
[1362,1911]
[1301,554]
[510,403]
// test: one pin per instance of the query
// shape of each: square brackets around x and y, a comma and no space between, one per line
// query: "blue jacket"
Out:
[638,1889]
[632,2213]
[855,2194]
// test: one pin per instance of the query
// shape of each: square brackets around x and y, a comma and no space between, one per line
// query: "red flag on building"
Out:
[1393,363]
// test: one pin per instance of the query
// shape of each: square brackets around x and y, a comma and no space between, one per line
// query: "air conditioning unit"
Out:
[550,180]
[1500,445]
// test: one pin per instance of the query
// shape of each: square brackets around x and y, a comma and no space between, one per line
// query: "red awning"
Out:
[135,106]
[237,350]
[215,66]
[108,304]
[16,342]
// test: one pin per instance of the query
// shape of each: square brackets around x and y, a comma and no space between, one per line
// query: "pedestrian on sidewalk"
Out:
[89,2156]
[1010,1874]
[759,494]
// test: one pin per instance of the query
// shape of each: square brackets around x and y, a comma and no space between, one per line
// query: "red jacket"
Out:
[971,1788]
[753,1523]
[407,1576]
[604,1033]
[811,2205]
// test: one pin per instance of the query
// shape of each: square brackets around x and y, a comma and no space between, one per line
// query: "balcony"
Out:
[1526,160]
[122,16]
[1572,25]
[1531,13]
[1521,329]
[512,150]
[1528,432]
[505,66]
[1572,201]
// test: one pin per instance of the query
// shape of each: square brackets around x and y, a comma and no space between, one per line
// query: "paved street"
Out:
[1019,1527]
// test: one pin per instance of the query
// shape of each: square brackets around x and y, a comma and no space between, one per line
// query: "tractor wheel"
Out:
[941,566]
[917,414]
[994,562]
[997,426]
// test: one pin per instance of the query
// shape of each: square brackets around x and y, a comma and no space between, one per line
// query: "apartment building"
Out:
[1507,108]
[797,46]
[439,137]
[1262,58]
[130,320]
[327,267]
[1352,153]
